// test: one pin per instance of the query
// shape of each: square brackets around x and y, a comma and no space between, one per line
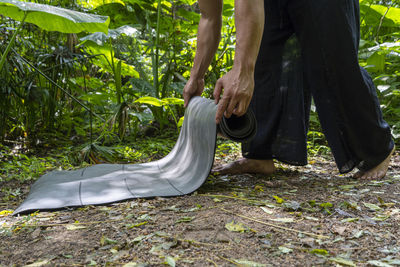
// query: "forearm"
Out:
[208,37]
[249,22]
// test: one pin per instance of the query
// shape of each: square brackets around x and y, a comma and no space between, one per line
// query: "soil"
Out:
[300,216]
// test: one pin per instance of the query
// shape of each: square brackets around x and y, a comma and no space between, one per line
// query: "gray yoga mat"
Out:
[181,172]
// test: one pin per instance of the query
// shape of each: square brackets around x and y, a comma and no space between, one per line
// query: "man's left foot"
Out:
[378,172]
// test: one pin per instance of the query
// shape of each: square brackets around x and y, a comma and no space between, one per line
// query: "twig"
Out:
[277,226]
[231,261]
[213,262]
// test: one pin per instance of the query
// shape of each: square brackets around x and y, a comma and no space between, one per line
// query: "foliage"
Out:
[380,55]
[103,86]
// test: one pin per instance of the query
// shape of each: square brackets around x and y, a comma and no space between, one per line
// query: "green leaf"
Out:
[326,205]
[51,18]
[172,101]
[180,122]
[278,199]
[319,252]
[372,15]
[97,3]
[185,219]
[235,227]
[105,61]
[376,62]
[150,101]
[101,38]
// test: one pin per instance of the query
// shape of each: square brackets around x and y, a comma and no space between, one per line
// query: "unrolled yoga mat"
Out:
[181,172]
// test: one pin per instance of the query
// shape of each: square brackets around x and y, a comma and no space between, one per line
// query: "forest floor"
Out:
[300,216]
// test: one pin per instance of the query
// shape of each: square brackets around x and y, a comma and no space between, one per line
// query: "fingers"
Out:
[186,94]
[218,91]
[186,99]
[192,89]
[222,105]
[231,107]
[241,108]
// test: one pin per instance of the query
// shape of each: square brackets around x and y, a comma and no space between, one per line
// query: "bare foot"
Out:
[378,172]
[247,166]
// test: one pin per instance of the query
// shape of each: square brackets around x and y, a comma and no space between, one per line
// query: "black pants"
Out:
[310,48]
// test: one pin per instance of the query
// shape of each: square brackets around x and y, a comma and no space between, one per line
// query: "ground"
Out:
[300,216]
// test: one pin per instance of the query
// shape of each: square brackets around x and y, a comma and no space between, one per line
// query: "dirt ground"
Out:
[300,216]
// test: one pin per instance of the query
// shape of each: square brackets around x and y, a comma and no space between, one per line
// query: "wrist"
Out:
[195,75]
[244,63]
[244,68]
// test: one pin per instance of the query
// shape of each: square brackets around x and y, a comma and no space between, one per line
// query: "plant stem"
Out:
[11,43]
[155,67]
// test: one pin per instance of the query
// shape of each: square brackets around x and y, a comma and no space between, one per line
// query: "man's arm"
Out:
[238,84]
[208,37]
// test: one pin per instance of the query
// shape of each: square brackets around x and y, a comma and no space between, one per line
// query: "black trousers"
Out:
[310,49]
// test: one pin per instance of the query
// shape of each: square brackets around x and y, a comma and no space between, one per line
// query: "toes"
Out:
[358,175]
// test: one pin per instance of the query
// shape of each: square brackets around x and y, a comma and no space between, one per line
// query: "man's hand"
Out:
[238,84]
[194,87]
[238,87]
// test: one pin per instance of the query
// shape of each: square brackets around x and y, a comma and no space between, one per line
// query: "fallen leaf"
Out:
[380,217]
[278,199]
[144,217]
[170,261]
[371,206]
[343,261]
[379,263]
[267,210]
[350,220]
[107,241]
[36,233]
[130,264]
[185,219]
[319,252]
[130,226]
[358,234]
[292,205]
[73,227]
[339,229]
[346,187]
[235,227]
[247,263]
[5,213]
[285,249]
[311,218]
[37,263]
[168,245]
[139,238]
[284,220]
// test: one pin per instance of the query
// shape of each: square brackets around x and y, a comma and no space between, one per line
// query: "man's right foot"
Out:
[377,172]
[247,166]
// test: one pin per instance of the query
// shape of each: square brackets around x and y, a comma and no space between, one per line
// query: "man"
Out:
[328,33]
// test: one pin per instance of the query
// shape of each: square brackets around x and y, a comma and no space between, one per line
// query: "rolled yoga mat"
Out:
[181,172]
